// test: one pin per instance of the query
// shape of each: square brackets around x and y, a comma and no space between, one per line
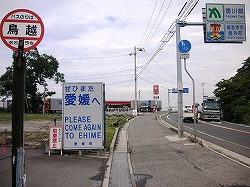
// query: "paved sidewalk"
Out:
[159,158]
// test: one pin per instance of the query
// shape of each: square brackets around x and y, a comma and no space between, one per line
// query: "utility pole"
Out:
[44,93]
[139,97]
[18,106]
[135,53]
[202,84]
[135,83]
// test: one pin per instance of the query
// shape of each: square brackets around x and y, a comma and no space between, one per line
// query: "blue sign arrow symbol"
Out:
[184,46]
[185,90]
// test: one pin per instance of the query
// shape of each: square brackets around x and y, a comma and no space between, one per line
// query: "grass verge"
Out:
[112,122]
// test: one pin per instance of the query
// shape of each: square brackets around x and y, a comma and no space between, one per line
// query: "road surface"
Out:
[233,137]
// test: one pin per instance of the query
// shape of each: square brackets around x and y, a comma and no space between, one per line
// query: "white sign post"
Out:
[83,115]
[55,138]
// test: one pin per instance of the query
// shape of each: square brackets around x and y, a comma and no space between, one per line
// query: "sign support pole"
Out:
[18,104]
[168,101]
[179,83]
[185,67]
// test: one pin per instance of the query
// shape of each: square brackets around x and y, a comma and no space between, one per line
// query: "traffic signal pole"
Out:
[18,104]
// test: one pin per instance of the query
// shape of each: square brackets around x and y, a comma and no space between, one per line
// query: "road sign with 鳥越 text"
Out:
[21,23]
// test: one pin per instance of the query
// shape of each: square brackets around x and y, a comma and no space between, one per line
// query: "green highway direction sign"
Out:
[225,23]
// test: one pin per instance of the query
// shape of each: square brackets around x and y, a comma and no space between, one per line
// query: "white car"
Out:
[188,115]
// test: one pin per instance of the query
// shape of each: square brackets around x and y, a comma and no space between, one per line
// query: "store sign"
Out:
[156,89]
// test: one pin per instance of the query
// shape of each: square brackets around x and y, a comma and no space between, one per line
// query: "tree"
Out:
[38,69]
[235,95]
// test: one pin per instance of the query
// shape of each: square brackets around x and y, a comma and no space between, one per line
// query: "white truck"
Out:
[188,115]
[210,109]
[149,105]
[53,105]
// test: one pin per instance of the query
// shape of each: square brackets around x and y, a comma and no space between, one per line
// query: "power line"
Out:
[108,73]
[109,84]
[154,75]
[154,22]
[148,23]
[162,68]
[94,58]
[158,25]
[185,11]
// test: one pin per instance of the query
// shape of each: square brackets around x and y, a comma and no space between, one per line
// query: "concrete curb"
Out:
[106,179]
[105,182]
[132,177]
[242,160]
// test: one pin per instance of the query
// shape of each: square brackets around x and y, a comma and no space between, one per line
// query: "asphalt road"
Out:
[233,137]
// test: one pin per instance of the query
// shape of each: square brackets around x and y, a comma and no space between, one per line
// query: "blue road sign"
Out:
[184,46]
[175,90]
[185,90]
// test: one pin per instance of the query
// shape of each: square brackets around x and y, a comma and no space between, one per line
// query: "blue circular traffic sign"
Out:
[184,46]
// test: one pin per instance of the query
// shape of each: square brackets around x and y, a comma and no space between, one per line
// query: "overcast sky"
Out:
[92,40]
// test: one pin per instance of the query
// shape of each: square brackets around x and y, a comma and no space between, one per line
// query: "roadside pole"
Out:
[135,84]
[179,72]
[15,26]
[185,67]
[179,82]
[168,101]
[18,104]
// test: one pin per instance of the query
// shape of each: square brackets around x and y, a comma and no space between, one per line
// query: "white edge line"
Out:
[242,160]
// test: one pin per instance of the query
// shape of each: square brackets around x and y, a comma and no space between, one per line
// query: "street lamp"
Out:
[44,85]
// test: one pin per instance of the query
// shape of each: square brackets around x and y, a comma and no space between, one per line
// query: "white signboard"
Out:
[225,22]
[185,55]
[235,32]
[55,138]
[234,12]
[225,12]
[83,115]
